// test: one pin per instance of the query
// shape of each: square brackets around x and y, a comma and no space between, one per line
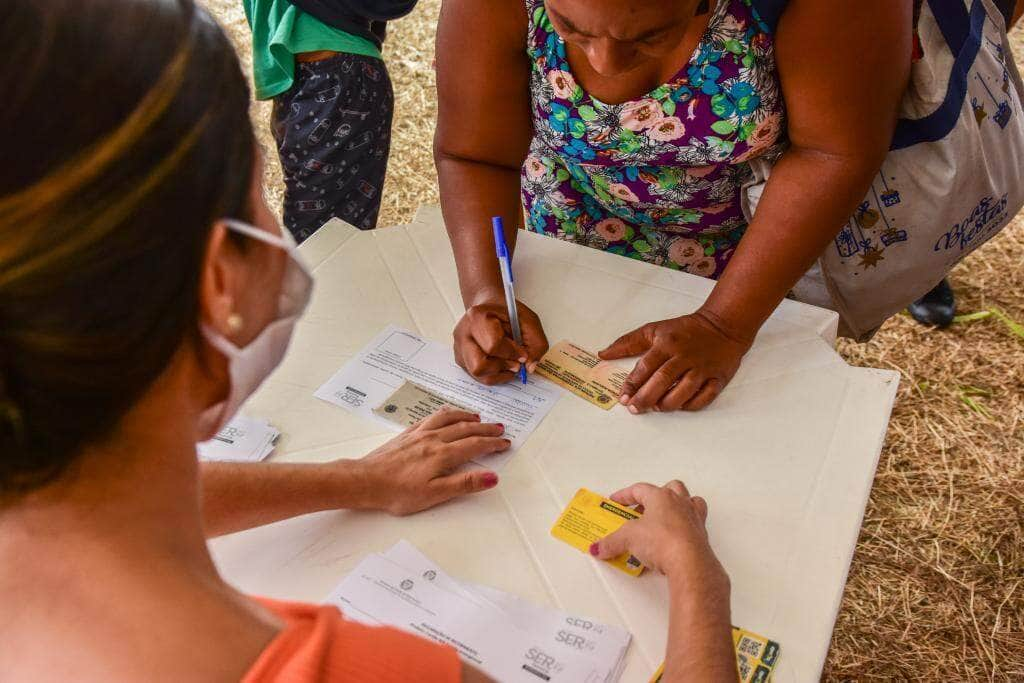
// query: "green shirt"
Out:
[280,31]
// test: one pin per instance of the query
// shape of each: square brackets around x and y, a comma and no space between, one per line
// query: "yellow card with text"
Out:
[590,517]
[584,374]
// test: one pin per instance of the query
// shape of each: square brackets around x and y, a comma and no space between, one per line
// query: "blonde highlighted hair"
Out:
[127,136]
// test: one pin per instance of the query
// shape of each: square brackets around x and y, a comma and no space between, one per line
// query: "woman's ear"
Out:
[220,282]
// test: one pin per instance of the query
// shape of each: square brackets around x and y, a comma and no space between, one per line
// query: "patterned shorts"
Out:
[333,132]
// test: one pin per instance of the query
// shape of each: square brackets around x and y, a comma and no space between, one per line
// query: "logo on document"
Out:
[390,408]
[406,584]
[430,575]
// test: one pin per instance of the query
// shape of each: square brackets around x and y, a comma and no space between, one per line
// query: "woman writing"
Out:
[145,292]
[630,126]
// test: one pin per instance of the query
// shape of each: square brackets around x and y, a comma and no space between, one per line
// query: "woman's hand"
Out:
[686,363]
[670,536]
[416,470]
[484,346]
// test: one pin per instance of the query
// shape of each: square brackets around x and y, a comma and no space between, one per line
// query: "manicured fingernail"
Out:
[502,427]
[634,410]
[489,480]
[594,549]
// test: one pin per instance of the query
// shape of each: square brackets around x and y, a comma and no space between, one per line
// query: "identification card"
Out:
[756,657]
[411,403]
[583,373]
[588,518]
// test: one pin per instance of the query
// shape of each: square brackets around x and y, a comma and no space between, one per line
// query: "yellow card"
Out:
[756,657]
[583,373]
[589,518]
[411,403]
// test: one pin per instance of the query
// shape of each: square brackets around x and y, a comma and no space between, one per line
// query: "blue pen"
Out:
[505,262]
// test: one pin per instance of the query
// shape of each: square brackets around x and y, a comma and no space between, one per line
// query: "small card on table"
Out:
[583,373]
[756,657]
[411,403]
[590,517]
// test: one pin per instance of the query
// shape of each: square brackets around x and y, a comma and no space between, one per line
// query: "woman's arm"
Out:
[410,473]
[483,134]
[671,538]
[844,67]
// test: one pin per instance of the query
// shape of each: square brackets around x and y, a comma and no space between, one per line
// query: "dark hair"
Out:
[126,136]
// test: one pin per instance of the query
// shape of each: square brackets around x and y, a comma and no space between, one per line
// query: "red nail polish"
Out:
[594,549]
[502,427]
[489,480]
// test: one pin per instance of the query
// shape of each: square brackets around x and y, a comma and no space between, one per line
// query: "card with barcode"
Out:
[590,517]
[756,657]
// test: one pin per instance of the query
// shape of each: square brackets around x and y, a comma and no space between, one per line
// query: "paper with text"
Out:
[396,356]
[381,592]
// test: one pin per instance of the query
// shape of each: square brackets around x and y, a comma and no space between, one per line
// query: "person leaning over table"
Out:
[629,126]
[145,291]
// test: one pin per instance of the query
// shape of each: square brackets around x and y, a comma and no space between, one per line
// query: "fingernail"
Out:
[523,359]
[594,549]
[508,442]
[502,427]
[489,480]
[634,410]
[624,399]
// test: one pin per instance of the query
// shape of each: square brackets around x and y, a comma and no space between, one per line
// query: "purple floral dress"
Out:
[658,178]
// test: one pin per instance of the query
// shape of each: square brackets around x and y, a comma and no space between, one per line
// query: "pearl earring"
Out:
[235,322]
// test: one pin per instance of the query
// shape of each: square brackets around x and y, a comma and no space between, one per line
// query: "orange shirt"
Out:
[318,644]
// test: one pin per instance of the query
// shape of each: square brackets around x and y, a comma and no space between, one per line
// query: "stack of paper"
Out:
[243,439]
[503,635]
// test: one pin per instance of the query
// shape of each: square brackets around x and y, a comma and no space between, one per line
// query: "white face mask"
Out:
[249,366]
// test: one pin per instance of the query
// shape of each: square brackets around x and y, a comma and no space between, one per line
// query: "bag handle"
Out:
[963,32]
[770,11]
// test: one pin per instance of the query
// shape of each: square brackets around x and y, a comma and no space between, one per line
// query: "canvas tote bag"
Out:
[954,176]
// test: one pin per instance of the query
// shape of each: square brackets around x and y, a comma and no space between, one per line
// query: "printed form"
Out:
[396,356]
[404,589]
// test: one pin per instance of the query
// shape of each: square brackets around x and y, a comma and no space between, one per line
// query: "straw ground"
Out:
[936,590]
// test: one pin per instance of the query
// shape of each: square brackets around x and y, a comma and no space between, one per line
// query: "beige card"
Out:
[583,373]
[411,403]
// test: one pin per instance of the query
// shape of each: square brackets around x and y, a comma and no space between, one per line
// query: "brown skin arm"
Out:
[1018,12]
[483,134]
[483,131]
[842,90]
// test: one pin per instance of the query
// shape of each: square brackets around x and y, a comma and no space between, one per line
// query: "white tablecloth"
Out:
[785,457]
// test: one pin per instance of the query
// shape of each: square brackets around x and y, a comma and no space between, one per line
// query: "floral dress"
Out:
[659,178]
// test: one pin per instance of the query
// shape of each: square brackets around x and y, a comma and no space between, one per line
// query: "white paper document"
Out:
[396,356]
[243,439]
[423,600]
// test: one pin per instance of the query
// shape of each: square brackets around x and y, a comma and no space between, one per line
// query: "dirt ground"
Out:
[936,590]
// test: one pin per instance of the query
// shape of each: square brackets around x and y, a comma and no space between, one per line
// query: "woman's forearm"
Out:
[808,197]
[471,193]
[237,496]
[699,634]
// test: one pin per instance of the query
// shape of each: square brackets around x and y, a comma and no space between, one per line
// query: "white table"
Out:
[785,457]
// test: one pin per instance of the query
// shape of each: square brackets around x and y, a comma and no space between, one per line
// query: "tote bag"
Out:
[954,176]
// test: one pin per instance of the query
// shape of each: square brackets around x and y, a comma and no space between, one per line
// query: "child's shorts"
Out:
[333,132]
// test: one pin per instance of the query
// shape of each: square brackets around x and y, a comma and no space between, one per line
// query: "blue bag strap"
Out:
[963,32]
[770,11]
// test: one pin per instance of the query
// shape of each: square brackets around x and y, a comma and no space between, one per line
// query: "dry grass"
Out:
[936,591]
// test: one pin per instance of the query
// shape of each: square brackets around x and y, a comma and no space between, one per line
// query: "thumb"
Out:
[630,344]
[612,545]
